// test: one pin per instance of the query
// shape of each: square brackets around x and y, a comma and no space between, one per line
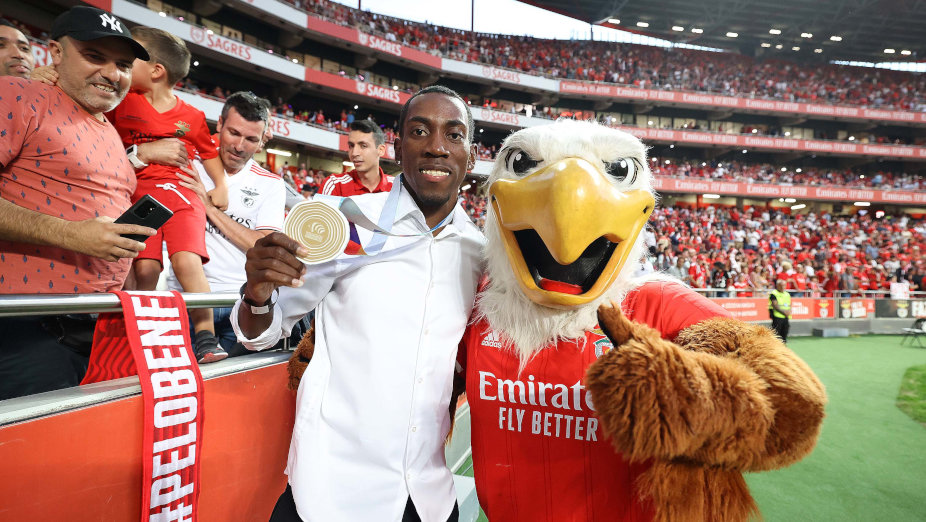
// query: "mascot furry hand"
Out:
[596,396]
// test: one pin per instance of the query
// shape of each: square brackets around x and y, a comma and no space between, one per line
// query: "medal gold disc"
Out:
[321,228]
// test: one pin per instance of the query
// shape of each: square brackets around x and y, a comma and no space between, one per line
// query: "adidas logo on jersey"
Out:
[491,340]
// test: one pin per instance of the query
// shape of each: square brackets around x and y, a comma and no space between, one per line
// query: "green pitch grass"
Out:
[870,461]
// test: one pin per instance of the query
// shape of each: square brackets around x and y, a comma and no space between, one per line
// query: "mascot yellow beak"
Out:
[567,230]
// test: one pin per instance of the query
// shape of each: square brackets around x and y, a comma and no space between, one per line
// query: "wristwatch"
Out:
[132,153]
[258,309]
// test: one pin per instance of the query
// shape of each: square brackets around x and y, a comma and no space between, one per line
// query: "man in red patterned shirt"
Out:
[64,179]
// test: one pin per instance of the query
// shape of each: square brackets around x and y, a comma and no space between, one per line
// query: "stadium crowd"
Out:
[730,74]
[767,173]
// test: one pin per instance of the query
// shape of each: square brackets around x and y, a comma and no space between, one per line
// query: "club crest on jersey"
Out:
[601,342]
[247,197]
[182,129]
[491,340]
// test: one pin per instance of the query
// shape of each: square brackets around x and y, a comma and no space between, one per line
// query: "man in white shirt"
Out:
[372,408]
[255,204]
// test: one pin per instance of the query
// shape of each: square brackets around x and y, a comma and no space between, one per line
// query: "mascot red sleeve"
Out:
[598,396]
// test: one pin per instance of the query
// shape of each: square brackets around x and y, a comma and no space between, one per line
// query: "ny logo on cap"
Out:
[112,21]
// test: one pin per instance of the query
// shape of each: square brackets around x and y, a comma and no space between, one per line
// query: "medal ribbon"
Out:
[381,229]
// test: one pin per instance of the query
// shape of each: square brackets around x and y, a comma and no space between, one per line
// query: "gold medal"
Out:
[322,229]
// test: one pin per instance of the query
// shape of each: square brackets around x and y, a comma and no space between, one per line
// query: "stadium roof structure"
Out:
[859,30]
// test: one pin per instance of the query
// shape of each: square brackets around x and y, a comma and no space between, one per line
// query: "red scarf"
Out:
[151,339]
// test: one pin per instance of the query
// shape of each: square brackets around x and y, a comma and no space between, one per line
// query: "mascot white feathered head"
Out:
[567,203]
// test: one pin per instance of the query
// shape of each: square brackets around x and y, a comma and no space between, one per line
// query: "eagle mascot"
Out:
[596,395]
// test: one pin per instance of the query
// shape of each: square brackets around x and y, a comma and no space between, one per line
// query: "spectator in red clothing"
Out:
[59,231]
[365,146]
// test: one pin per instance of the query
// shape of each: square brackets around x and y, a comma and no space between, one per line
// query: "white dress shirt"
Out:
[371,410]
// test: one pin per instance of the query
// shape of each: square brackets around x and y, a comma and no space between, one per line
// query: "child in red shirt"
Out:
[152,112]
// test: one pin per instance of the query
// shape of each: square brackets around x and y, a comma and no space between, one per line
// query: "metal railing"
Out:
[14,305]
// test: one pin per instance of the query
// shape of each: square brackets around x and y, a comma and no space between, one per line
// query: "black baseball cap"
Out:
[87,23]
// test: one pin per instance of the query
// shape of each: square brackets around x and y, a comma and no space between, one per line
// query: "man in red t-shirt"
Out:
[64,177]
[365,146]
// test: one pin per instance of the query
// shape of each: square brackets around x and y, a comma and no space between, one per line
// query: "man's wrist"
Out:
[134,159]
[257,306]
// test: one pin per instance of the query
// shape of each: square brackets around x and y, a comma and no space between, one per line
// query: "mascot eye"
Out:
[519,162]
[623,169]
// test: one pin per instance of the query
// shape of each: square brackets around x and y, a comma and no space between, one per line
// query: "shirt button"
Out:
[420,380]
[414,428]
[427,331]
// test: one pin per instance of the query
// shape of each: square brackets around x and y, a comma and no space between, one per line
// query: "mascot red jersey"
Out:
[598,396]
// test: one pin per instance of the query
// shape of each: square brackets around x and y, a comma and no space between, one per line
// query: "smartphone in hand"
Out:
[148,212]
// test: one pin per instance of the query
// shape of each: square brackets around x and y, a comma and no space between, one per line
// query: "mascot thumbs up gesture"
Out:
[598,396]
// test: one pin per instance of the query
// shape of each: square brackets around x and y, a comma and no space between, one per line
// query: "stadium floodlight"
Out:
[806,35]
[836,38]
[798,207]
[889,51]
[795,48]
[677,28]
[784,169]
[790,200]
[731,34]
[774,31]
[195,63]
[765,44]
[672,146]
[851,138]
[697,30]
[650,122]
[818,51]
[278,152]
[779,46]
[356,107]
[788,133]
[668,161]
[642,24]
[906,52]
[799,170]
[744,151]
[862,203]
[465,187]
[162,14]
[712,196]
[614,21]
[755,131]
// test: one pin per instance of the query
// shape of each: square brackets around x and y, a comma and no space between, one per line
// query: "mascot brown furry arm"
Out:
[725,397]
